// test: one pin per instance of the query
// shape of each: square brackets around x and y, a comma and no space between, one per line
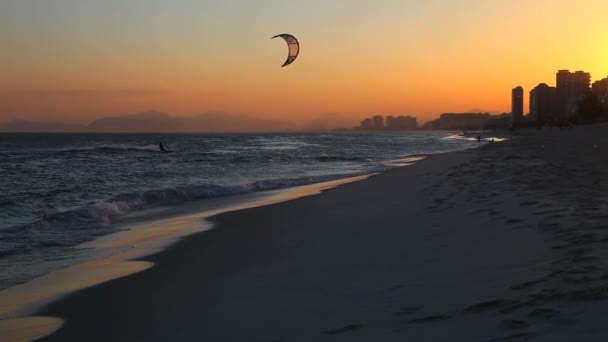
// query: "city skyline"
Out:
[546,103]
[74,61]
[560,102]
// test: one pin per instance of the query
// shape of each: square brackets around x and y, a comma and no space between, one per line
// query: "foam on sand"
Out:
[157,232]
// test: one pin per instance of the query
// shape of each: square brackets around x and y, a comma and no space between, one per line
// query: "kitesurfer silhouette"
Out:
[161,147]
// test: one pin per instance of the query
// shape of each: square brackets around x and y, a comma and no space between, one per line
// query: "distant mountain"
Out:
[140,122]
[153,121]
[34,126]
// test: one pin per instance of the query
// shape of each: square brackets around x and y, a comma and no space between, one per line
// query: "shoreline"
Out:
[491,250]
[494,244]
[140,239]
[136,247]
[145,228]
[94,210]
[210,238]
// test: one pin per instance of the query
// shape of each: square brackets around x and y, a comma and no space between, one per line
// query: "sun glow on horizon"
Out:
[76,60]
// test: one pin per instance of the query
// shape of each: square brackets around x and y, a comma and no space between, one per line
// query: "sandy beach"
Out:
[501,243]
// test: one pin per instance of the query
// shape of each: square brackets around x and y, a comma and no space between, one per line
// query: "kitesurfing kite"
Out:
[293,45]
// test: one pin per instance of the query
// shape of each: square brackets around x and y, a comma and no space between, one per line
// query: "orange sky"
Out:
[75,60]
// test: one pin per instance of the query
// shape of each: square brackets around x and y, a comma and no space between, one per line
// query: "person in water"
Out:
[162,147]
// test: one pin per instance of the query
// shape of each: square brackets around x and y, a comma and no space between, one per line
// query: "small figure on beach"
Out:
[478,138]
[161,147]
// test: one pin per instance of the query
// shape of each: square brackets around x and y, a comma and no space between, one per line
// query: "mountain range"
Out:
[155,121]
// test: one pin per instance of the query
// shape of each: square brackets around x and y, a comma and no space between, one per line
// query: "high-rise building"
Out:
[367,125]
[542,103]
[580,83]
[378,122]
[570,86]
[406,123]
[563,85]
[517,104]
[563,81]
[600,87]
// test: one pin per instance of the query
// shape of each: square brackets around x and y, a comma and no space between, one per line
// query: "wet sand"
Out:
[144,233]
[502,243]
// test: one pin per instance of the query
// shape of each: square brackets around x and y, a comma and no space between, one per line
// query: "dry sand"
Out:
[502,243]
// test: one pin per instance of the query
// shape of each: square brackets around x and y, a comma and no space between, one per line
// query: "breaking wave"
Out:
[77,149]
[86,222]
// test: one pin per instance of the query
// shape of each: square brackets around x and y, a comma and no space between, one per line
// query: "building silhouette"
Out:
[543,103]
[570,87]
[563,84]
[367,125]
[378,122]
[600,87]
[580,84]
[517,105]
[459,121]
[401,123]
[392,123]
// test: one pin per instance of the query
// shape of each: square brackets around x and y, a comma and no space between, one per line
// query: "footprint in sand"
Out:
[528,284]
[528,203]
[514,324]
[344,329]
[406,311]
[432,318]
[544,313]
[515,337]
[488,305]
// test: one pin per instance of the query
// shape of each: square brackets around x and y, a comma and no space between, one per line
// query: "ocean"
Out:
[60,190]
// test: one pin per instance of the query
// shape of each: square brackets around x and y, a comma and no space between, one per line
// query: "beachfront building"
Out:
[563,82]
[367,125]
[542,103]
[570,87]
[401,123]
[392,123]
[459,121]
[378,122]
[600,87]
[580,84]
[517,105]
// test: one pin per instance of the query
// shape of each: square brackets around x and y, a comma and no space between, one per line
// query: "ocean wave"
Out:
[88,221]
[62,190]
[6,203]
[325,158]
[77,149]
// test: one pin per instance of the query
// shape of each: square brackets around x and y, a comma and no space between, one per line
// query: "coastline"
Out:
[141,234]
[38,215]
[145,256]
[139,237]
[490,244]
[263,266]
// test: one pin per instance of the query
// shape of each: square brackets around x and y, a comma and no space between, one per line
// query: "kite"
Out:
[293,45]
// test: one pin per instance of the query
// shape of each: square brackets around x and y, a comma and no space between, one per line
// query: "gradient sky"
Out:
[75,60]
